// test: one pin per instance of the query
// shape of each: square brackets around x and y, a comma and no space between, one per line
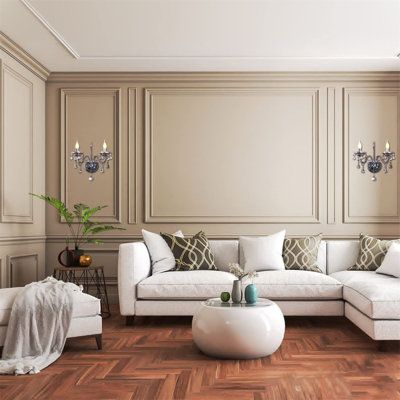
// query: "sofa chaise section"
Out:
[372,302]
[86,318]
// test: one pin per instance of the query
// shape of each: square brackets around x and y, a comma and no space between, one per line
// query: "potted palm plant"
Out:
[81,227]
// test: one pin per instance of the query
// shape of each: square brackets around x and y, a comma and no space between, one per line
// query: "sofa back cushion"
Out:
[341,255]
[371,253]
[302,253]
[191,253]
[227,251]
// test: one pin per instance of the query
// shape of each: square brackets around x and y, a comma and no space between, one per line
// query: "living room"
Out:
[199,199]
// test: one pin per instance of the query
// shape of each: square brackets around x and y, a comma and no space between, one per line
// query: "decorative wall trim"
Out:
[4,217]
[235,77]
[117,240]
[2,274]
[115,217]
[132,155]
[150,217]
[22,239]
[24,58]
[347,218]
[47,26]
[331,155]
[1,135]
[10,259]
[75,54]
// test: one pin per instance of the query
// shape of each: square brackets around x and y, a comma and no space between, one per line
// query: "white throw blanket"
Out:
[38,326]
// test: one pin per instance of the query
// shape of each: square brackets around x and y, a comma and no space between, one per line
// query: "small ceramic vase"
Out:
[237,291]
[250,294]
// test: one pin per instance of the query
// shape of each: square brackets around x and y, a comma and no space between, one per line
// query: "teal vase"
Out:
[250,294]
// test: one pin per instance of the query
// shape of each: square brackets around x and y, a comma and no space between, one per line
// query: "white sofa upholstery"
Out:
[86,318]
[377,296]
[369,300]
[185,285]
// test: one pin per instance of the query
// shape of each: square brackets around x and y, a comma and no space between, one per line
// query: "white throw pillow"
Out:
[391,263]
[162,258]
[262,253]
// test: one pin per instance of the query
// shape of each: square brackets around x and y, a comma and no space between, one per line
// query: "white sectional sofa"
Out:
[370,300]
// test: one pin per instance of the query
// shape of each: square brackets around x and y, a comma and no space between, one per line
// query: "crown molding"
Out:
[23,57]
[87,77]
[47,26]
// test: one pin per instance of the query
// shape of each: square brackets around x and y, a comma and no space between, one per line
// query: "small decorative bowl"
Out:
[85,260]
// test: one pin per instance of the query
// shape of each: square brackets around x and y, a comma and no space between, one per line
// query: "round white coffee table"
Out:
[238,331]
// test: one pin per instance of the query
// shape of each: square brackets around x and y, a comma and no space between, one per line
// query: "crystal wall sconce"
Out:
[91,163]
[375,163]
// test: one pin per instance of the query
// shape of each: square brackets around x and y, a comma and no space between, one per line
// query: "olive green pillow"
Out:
[191,253]
[371,254]
[302,253]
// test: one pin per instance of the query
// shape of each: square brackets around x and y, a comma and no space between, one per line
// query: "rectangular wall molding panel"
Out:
[22,269]
[3,274]
[132,159]
[91,116]
[234,155]
[371,114]
[16,144]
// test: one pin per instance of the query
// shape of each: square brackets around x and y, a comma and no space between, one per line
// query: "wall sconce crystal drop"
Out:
[92,163]
[375,163]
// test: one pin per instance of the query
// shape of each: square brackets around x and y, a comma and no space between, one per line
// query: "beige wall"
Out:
[22,168]
[230,154]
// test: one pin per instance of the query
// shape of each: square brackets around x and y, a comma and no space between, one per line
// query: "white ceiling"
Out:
[193,35]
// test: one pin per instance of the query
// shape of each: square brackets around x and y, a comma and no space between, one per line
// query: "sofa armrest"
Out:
[133,266]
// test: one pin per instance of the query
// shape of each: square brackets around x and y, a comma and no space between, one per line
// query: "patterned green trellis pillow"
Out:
[191,253]
[302,253]
[371,254]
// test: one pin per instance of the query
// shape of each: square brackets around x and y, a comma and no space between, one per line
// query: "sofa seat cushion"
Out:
[375,295]
[297,285]
[185,285]
[84,304]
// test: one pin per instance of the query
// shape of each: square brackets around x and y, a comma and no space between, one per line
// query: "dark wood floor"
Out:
[320,358]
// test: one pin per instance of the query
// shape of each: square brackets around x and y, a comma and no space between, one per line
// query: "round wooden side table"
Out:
[92,280]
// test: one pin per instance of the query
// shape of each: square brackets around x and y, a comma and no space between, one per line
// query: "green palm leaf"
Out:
[80,215]
[58,205]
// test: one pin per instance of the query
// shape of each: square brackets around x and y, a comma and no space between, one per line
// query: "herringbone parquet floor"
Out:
[320,358]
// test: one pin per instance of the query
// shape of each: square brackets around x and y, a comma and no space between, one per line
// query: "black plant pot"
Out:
[70,258]
[73,257]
